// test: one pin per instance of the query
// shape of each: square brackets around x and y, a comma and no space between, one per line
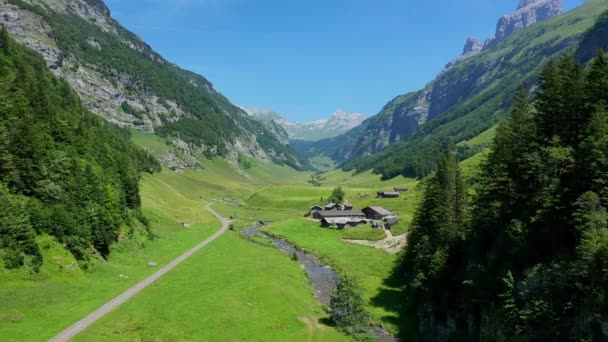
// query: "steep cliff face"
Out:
[472,46]
[119,77]
[468,84]
[528,12]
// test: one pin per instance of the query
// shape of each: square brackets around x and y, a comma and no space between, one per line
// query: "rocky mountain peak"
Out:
[528,12]
[471,46]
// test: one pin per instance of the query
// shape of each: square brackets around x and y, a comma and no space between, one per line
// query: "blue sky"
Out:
[307,58]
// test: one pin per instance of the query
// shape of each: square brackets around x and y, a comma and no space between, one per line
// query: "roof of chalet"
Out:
[341,213]
[342,220]
[391,220]
[380,211]
[390,193]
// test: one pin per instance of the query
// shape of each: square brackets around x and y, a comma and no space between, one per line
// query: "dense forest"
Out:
[525,257]
[63,171]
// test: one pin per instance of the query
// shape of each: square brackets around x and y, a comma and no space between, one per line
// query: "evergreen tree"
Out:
[347,307]
[337,195]
[4,41]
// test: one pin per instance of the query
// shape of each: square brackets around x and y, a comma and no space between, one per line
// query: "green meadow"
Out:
[230,280]
[233,290]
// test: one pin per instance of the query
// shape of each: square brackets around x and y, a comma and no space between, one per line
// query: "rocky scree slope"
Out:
[466,98]
[120,77]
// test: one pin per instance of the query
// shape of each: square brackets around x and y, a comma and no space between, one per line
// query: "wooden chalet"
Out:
[351,214]
[377,213]
[402,189]
[388,194]
[332,206]
[342,222]
[390,222]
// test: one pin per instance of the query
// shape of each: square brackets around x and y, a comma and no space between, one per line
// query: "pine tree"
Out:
[597,80]
[348,307]
[4,41]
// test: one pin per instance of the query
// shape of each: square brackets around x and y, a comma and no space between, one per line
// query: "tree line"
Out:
[64,171]
[524,254]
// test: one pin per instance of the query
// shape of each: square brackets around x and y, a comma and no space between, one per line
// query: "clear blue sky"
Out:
[307,58]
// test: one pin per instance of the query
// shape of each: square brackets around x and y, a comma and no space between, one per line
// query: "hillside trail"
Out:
[96,315]
[391,244]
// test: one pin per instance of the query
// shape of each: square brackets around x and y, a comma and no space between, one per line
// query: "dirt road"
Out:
[84,323]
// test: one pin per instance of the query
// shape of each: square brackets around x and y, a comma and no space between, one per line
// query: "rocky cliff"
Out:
[120,77]
[528,12]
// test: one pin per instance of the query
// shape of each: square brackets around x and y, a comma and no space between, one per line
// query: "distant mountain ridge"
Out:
[338,123]
[119,77]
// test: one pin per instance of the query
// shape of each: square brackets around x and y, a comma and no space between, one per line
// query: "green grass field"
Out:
[233,290]
[37,306]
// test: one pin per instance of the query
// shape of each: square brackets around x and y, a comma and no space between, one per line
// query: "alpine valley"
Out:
[138,203]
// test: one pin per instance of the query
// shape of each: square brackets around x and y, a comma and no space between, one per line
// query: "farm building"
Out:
[342,222]
[377,213]
[402,189]
[352,214]
[390,222]
[388,194]
[332,206]
[315,208]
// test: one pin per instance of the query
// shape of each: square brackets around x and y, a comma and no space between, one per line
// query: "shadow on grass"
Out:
[392,298]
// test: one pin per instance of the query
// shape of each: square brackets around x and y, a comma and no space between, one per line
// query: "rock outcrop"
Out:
[472,46]
[528,12]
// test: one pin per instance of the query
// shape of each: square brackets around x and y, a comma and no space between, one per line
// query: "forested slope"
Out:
[526,258]
[64,171]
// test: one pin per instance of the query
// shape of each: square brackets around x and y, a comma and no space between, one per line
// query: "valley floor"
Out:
[233,289]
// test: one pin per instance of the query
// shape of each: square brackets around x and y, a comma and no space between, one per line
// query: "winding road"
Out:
[93,317]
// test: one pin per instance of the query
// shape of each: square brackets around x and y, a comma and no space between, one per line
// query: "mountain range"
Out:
[122,79]
[338,123]
[119,77]
[468,97]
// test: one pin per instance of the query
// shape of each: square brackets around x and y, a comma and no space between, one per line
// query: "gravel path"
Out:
[93,317]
